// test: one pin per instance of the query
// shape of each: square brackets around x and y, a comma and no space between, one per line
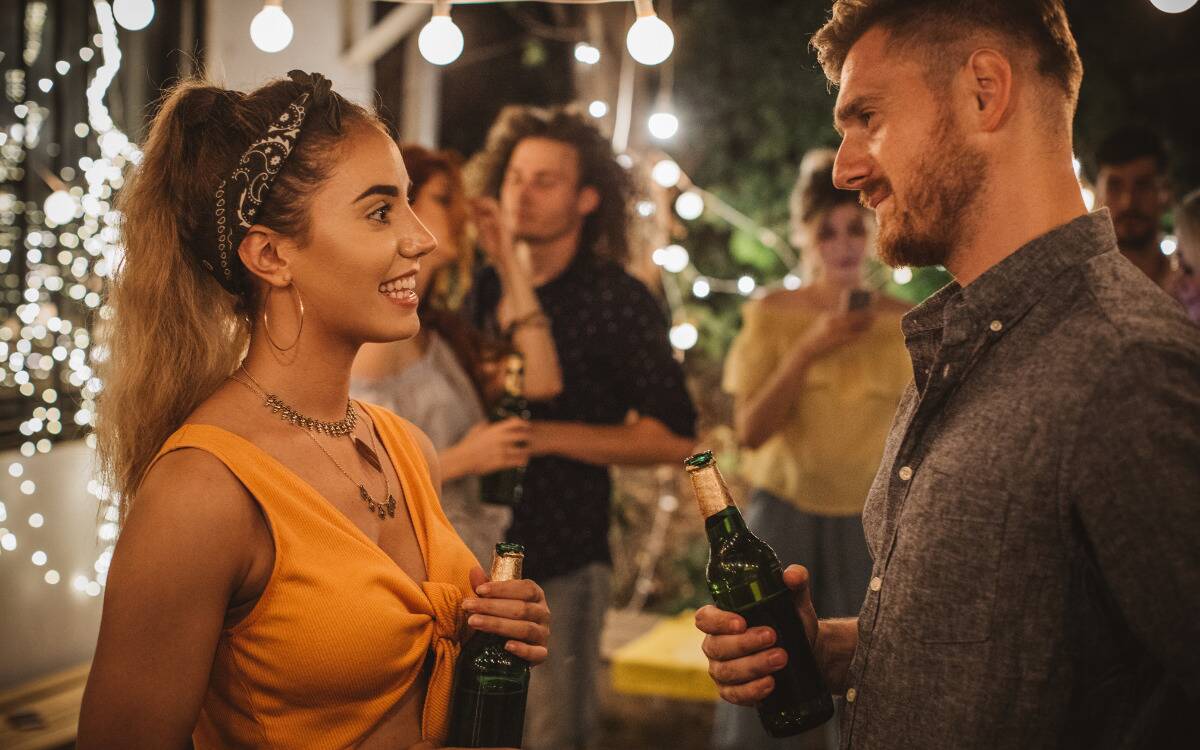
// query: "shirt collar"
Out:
[1006,291]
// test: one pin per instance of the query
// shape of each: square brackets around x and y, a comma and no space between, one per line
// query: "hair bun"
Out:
[320,94]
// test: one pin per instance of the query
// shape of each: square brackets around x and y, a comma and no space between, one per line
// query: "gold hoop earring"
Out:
[267,321]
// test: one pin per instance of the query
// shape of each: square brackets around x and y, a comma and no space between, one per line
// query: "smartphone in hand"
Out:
[858,299]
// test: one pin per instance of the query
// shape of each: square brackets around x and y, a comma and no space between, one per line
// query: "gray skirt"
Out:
[834,550]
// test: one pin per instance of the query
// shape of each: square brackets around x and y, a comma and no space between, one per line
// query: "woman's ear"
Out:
[266,253]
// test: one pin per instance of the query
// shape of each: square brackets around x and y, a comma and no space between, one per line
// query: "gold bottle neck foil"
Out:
[712,494]
[507,566]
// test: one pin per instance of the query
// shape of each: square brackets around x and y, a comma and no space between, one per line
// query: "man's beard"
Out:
[1135,241]
[939,209]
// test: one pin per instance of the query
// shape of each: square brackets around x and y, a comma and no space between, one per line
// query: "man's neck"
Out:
[1150,261]
[549,258]
[1018,207]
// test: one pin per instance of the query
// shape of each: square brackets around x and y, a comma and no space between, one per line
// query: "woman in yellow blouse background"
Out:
[815,385]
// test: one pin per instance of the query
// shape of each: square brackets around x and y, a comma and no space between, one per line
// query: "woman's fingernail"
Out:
[777,659]
[473,620]
[766,637]
[483,589]
[469,604]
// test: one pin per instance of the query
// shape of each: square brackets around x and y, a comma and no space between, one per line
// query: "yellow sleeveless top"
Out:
[340,632]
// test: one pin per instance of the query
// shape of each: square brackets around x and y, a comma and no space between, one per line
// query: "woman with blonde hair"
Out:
[284,576]
[816,374]
[442,378]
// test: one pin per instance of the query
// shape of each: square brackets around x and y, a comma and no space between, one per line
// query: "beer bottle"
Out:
[490,683]
[505,486]
[744,576]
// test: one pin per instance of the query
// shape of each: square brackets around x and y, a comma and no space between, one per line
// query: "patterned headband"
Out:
[240,197]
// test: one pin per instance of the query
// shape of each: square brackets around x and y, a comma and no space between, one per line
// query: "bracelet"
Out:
[536,318]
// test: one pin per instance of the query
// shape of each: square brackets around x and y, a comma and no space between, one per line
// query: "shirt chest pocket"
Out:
[943,575]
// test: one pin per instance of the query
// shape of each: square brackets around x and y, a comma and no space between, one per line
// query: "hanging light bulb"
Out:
[684,336]
[134,15]
[666,173]
[587,54]
[650,41]
[598,108]
[701,288]
[271,30]
[689,205]
[1173,6]
[663,125]
[440,42]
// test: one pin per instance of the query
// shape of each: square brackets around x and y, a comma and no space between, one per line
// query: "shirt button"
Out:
[905,474]
[996,326]
[876,583]
[851,694]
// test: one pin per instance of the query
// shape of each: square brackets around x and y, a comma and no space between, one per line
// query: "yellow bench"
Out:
[666,661]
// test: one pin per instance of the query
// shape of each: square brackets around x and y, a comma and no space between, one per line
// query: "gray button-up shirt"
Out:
[1035,523]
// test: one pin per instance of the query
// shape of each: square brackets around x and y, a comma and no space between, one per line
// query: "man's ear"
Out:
[990,84]
[588,201]
[266,254]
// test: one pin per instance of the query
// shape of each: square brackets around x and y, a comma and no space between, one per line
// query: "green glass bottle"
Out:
[490,684]
[744,576]
[505,487]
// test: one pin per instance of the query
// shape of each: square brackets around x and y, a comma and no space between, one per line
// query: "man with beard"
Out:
[1034,522]
[1132,184]
[564,196]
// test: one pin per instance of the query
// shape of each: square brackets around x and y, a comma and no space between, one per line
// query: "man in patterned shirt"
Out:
[1034,523]
[623,401]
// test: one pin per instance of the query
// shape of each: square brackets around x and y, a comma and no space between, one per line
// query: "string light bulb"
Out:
[440,42]
[587,54]
[649,40]
[1173,6]
[684,336]
[271,30]
[663,125]
[689,205]
[133,15]
[666,173]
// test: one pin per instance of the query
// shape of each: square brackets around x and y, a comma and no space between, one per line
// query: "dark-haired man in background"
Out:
[1034,522]
[623,401]
[1132,183]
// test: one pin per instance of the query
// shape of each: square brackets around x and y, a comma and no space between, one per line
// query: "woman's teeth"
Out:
[399,288]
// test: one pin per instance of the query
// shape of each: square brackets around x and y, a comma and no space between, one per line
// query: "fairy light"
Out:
[587,54]
[70,245]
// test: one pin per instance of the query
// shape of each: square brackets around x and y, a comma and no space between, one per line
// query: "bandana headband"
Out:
[239,198]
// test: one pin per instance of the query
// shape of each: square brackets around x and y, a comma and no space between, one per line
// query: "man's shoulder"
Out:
[1120,311]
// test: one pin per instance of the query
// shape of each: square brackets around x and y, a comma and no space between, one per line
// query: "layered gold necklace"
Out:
[343,428]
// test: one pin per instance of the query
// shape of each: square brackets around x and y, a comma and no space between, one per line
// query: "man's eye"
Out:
[865,117]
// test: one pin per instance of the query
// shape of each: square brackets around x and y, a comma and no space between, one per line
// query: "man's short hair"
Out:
[941,27]
[1129,143]
[605,230]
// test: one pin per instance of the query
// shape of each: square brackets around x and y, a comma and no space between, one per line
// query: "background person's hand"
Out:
[494,446]
[833,330]
[516,610]
[741,661]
